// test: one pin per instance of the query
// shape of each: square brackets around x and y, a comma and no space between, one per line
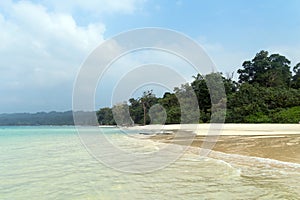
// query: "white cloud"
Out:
[96,7]
[41,49]
[44,46]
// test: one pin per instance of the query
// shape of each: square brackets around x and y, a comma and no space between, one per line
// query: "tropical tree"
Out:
[202,92]
[105,116]
[296,78]
[147,100]
[189,108]
[136,110]
[170,103]
[266,71]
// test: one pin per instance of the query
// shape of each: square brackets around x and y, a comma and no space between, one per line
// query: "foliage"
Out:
[258,117]
[296,78]
[157,114]
[266,71]
[288,115]
[147,100]
[171,104]
[105,116]
[266,92]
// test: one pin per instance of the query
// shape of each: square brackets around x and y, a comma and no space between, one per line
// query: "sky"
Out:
[43,44]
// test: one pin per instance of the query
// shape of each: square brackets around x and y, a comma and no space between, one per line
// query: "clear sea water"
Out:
[52,163]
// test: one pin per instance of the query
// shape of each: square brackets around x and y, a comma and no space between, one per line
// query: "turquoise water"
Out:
[52,163]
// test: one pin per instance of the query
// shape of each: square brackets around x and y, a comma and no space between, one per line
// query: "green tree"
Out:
[136,110]
[202,93]
[288,115]
[147,100]
[296,77]
[105,116]
[230,85]
[170,103]
[246,101]
[266,92]
[157,114]
[211,96]
[188,102]
[266,71]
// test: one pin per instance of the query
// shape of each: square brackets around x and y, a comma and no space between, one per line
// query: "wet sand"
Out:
[280,147]
[274,141]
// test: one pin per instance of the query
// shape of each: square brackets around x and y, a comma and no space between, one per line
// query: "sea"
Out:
[58,162]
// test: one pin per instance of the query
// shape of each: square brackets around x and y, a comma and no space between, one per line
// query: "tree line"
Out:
[267,91]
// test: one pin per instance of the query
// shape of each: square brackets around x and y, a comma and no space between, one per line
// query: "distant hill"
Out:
[45,118]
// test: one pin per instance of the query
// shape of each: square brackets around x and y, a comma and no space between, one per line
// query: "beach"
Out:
[273,141]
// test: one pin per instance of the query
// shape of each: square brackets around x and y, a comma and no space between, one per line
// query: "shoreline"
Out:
[225,129]
[274,141]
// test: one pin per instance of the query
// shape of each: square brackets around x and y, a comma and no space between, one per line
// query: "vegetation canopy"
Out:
[267,91]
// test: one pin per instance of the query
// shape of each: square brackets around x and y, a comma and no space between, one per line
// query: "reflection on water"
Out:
[52,164]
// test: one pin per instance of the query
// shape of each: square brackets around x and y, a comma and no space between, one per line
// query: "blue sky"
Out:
[43,43]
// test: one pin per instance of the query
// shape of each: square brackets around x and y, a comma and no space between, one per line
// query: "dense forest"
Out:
[267,91]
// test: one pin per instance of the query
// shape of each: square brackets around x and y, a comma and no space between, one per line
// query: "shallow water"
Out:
[52,163]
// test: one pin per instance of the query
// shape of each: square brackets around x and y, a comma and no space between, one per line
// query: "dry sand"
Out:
[226,129]
[274,141]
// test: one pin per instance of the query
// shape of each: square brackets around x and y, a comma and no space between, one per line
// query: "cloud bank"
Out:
[42,47]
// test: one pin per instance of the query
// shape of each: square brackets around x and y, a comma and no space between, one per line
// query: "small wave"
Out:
[255,160]
[247,160]
[227,167]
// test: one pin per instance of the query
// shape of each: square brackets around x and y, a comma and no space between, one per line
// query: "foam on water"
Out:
[257,161]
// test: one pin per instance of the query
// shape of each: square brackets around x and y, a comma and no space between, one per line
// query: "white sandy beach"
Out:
[226,129]
[273,141]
